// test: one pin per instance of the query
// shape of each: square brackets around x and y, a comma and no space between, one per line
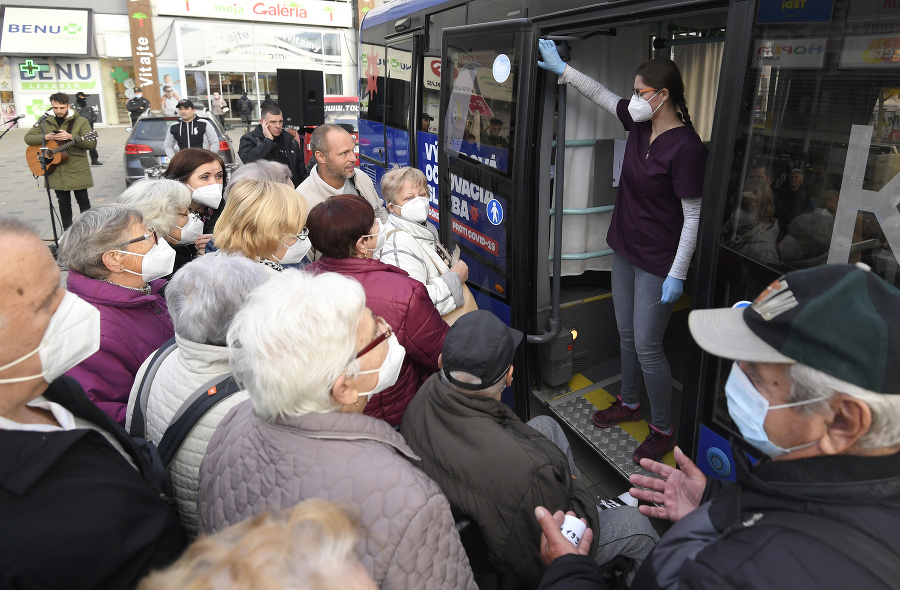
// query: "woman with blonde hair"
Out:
[264,221]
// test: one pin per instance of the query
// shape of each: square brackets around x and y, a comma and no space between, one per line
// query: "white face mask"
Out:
[640,109]
[295,252]
[72,335]
[415,210]
[191,230]
[209,195]
[379,242]
[390,368]
[158,262]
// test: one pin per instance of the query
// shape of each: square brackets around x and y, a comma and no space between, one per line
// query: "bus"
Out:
[787,95]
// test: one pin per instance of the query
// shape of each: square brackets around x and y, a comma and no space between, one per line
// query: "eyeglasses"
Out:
[302,235]
[639,91]
[151,233]
[378,339]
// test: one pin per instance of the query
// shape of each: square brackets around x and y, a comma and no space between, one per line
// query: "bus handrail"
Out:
[586,255]
[585,211]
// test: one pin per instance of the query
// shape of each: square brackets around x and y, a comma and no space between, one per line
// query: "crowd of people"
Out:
[257,382]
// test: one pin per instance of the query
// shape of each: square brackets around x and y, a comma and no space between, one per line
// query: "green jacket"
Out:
[75,174]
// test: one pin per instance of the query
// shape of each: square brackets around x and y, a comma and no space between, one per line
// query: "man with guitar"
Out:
[73,172]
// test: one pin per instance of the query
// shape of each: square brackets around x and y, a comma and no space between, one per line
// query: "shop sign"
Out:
[794,11]
[36,79]
[874,9]
[789,53]
[298,12]
[143,50]
[871,51]
[432,73]
[45,32]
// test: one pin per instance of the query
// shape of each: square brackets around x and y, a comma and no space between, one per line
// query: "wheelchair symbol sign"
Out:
[494,212]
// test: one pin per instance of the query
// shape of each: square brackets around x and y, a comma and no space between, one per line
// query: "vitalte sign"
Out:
[143,51]
[45,32]
[297,12]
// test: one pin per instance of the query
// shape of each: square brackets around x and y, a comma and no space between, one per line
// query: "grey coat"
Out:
[408,538]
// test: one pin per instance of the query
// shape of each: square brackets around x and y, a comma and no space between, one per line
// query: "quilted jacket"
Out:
[132,326]
[186,369]
[404,303]
[408,539]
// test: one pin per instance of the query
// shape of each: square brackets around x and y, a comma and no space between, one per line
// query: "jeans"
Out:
[642,322]
[65,204]
[624,530]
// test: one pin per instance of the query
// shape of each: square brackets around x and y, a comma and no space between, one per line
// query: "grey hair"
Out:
[392,182]
[464,377]
[205,294]
[98,230]
[260,170]
[808,383]
[16,227]
[159,200]
[293,339]
[318,141]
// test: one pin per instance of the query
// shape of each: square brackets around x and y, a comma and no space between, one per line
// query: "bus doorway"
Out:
[594,145]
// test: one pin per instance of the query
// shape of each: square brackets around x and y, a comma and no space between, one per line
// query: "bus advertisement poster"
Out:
[478,218]
[428,163]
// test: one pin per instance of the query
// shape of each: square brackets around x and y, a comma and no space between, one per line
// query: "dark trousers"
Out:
[95,157]
[221,119]
[65,204]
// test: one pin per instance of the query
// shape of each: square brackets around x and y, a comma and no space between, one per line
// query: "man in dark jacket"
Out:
[269,141]
[76,499]
[138,105]
[494,468]
[820,401]
[90,113]
[245,109]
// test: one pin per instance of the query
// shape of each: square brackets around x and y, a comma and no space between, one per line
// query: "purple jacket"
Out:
[405,305]
[132,327]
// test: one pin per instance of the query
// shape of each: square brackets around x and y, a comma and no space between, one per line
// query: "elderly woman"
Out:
[411,243]
[204,174]
[115,264]
[302,434]
[344,230]
[165,205]
[264,221]
[203,298]
[260,170]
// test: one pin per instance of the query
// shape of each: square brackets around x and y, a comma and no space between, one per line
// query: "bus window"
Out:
[372,60]
[431,93]
[399,66]
[482,106]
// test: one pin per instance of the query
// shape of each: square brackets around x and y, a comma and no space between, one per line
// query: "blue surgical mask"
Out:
[748,409]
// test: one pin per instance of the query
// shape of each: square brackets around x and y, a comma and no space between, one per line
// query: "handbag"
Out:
[225,109]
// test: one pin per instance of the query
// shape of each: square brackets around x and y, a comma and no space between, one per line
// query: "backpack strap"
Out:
[139,412]
[841,537]
[192,411]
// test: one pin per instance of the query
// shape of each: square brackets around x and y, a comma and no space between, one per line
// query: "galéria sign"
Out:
[324,13]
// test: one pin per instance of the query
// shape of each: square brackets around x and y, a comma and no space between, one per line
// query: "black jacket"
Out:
[860,491]
[255,146]
[245,105]
[86,111]
[494,469]
[137,107]
[75,514]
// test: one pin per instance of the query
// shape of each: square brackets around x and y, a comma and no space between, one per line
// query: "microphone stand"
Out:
[54,248]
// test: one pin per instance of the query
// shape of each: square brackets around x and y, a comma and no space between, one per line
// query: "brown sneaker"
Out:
[654,446]
[615,414]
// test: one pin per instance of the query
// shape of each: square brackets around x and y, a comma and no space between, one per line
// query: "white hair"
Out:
[808,383]
[159,200]
[464,377]
[205,294]
[260,170]
[293,339]
[98,230]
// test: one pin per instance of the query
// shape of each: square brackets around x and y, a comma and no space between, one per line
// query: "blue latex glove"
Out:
[551,57]
[672,290]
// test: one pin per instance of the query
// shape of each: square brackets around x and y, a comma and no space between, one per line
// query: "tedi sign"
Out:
[309,12]
[143,51]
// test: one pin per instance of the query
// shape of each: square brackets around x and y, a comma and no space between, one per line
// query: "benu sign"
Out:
[45,32]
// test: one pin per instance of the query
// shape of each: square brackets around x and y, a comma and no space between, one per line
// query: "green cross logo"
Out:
[72,28]
[119,75]
[37,107]
[29,67]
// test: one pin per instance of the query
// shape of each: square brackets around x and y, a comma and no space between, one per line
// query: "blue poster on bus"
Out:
[478,222]
[428,163]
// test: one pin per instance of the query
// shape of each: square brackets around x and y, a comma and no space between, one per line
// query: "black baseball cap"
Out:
[480,344]
[184,103]
[138,89]
[81,95]
[427,116]
[840,319]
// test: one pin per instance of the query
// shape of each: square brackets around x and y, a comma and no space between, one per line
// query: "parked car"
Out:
[145,146]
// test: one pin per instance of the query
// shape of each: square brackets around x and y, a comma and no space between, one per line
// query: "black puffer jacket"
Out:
[284,148]
[863,492]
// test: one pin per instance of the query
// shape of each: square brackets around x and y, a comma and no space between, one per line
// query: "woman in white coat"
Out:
[411,243]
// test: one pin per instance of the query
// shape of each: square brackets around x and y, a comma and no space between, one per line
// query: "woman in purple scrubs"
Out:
[652,234]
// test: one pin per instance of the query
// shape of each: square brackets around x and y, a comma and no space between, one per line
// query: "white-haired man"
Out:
[76,499]
[816,388]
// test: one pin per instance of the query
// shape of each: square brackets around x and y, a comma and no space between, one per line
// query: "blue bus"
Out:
[788,97]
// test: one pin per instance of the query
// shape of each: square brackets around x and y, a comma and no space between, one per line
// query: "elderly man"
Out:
[816,388]
[76,499]
[494,468]
[335,172]
[203,298]
[269,141]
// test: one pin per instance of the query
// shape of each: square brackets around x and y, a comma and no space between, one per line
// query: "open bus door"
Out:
[486,81]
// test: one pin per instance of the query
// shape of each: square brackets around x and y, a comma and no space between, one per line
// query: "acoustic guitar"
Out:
[53,153]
